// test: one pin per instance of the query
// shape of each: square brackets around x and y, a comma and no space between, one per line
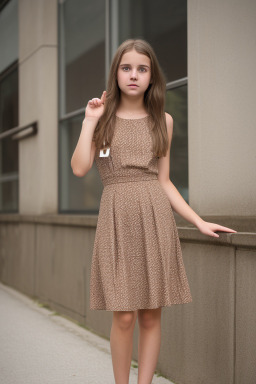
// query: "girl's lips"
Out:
[132,85]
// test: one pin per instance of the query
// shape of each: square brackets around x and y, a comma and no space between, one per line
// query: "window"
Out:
[89,34]
[9,106]
[81,77]
[176,105]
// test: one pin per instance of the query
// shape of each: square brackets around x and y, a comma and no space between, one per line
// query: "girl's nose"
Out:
[134,74]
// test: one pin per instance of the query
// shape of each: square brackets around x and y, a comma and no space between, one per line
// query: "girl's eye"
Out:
[143,69]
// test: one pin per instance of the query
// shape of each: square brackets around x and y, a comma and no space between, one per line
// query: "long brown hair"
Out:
[154,99]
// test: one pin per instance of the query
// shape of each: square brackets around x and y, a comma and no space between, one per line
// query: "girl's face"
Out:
[134,68]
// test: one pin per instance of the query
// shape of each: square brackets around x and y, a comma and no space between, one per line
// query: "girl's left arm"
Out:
[177,202]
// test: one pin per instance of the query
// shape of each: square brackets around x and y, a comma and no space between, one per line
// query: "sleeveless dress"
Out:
[137,261]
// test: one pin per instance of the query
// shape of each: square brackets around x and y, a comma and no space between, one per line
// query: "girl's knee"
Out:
[149,318]
[124,319]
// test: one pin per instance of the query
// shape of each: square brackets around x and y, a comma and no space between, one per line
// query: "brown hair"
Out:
[154,98]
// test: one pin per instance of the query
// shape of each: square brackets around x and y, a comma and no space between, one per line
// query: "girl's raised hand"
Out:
[210,228]
[95,107]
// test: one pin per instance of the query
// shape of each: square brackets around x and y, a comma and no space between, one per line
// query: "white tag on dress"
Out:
[104,152]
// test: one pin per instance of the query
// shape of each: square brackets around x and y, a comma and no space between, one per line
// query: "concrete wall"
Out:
[38,100]
[221,106]
[211,340]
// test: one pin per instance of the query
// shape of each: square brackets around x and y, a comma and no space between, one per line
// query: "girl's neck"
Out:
[134,108]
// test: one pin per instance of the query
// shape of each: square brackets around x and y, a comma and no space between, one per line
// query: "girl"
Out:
[137,265]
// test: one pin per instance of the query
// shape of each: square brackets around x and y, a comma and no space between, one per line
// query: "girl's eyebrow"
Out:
[140,65]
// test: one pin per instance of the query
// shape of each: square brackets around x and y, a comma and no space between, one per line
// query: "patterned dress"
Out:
[137,261]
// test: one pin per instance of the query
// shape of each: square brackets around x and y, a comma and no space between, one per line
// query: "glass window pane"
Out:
[77,194]
[163,24]
[81,52]
[176,106]
[9,193]
[8,120]
[9,34]
[9,154]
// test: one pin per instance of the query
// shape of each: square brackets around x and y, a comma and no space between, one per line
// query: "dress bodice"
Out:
[131,155]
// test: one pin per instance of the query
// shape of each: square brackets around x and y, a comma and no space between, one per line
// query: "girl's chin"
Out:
[132,92]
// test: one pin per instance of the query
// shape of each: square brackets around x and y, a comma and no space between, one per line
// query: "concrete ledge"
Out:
[55,219]
[187,232]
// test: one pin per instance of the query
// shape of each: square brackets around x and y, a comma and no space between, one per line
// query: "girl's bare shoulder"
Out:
[169,123]
[168,117]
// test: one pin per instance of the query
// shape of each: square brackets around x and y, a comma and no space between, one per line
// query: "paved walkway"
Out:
[38,347]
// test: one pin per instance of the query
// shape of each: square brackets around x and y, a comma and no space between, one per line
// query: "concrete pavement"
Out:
[39,347]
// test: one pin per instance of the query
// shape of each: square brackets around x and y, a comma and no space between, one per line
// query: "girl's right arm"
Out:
[82,159]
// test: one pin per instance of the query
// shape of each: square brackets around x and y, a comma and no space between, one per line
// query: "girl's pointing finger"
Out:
[103,97]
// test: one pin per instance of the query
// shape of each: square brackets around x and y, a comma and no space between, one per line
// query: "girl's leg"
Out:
[149,343]
[121,339]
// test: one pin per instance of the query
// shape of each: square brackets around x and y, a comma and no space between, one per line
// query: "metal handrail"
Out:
[75,113]
[177,83]
[16,134]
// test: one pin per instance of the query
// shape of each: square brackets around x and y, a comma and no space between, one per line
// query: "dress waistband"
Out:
[127,178]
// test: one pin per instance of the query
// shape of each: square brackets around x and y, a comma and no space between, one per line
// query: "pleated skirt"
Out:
[137,260]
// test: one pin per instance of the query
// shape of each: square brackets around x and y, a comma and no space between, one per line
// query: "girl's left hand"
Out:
[210,228]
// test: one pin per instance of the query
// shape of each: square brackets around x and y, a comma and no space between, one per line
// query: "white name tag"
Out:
[104,152]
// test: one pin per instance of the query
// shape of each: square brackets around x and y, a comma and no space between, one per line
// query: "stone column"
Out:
[221,107]
[38,100]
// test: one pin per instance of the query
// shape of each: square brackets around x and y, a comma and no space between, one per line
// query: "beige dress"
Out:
[137,261]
